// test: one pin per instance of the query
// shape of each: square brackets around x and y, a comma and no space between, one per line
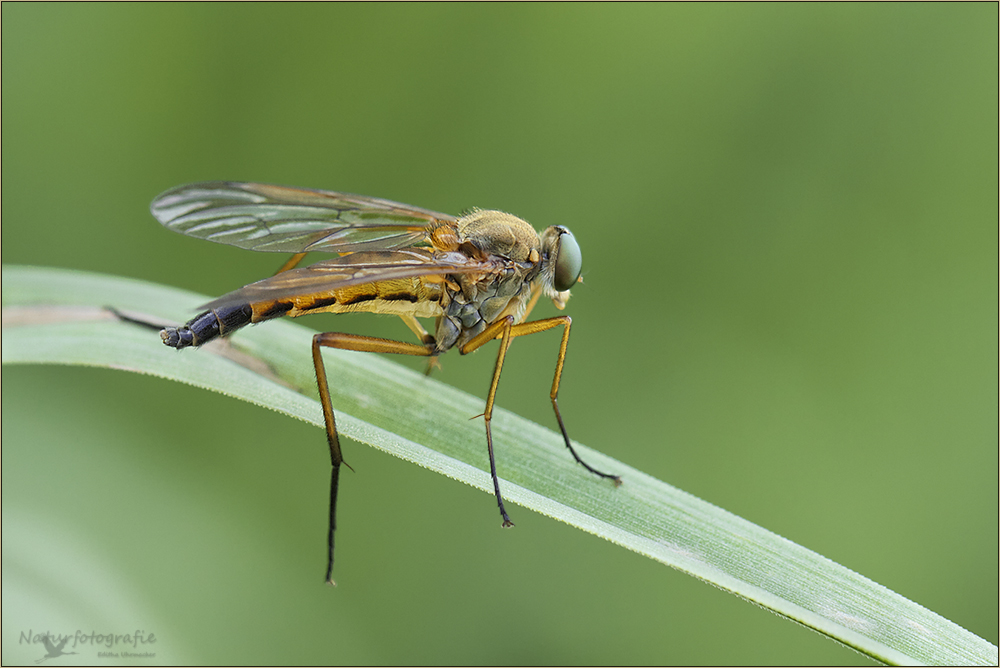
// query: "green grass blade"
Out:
[53,316]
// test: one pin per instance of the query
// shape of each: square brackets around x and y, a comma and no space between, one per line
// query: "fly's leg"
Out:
[506,330]
[291,263]
[501,328]
[135,319]
[367,344]
[536,292]
[541,326]
[425,337]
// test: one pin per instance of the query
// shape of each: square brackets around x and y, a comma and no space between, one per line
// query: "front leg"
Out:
[506,330]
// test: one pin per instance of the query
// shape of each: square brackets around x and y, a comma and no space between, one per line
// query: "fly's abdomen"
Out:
[205,327]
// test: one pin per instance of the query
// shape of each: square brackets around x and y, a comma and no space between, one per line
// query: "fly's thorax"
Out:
[522,261]
[498,233]
[481,300]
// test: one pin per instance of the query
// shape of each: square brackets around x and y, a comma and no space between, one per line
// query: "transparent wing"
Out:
[263,217]
[354,269]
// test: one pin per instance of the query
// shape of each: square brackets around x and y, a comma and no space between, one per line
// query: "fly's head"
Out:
[552,260]
[562,263]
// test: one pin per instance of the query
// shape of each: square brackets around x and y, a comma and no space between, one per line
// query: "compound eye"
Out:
[569,262]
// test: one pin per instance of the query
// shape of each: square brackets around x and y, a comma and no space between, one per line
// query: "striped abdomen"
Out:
[207,326]
[410,296]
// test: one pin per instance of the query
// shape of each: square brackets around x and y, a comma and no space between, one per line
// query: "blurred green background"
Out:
[789,223]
